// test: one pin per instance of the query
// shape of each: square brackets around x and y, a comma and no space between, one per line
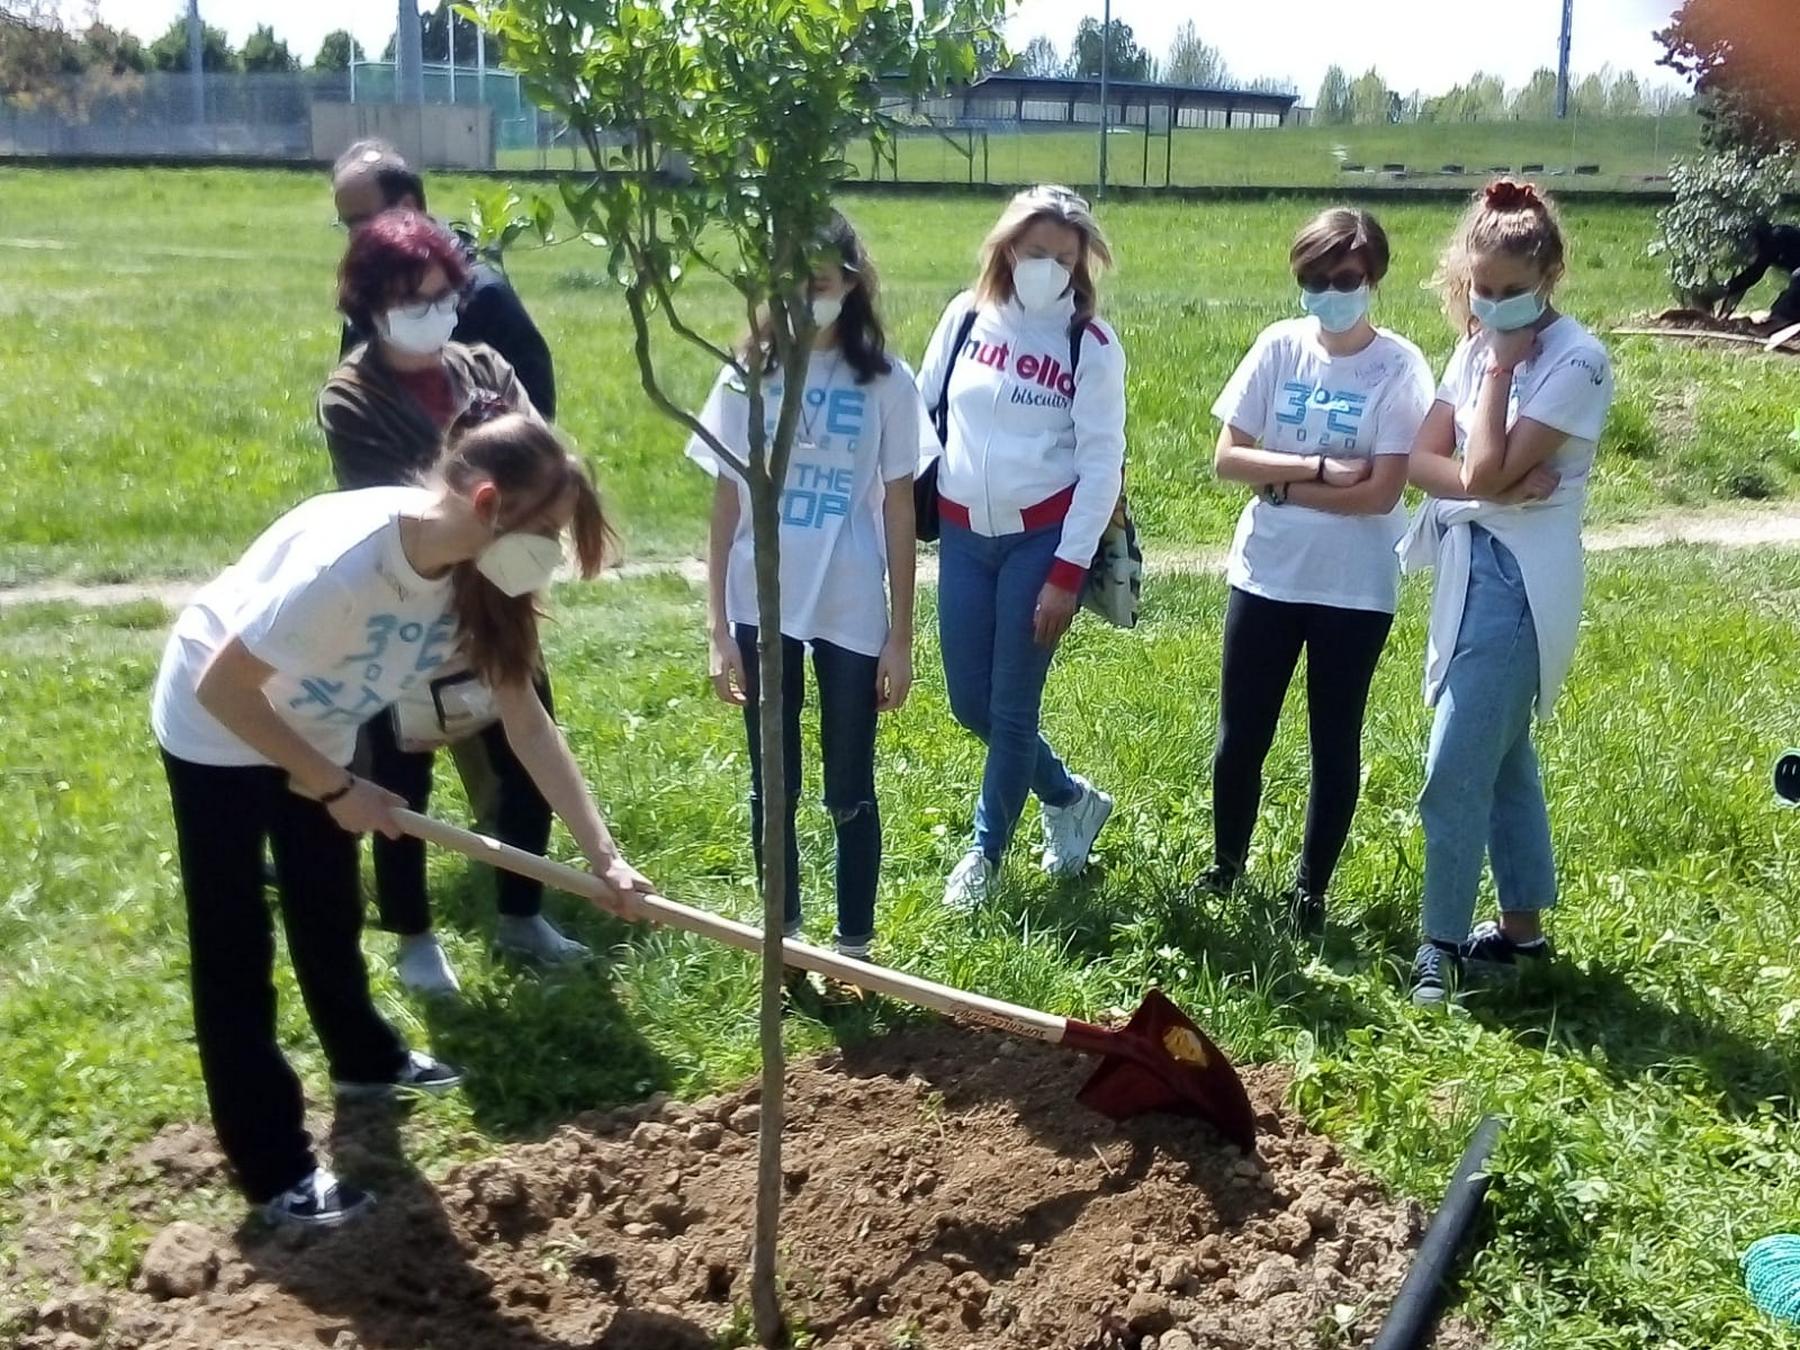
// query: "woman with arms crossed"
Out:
[1504,457]
[1319,419]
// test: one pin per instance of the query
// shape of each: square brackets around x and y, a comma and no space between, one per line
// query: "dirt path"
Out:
[1725,527]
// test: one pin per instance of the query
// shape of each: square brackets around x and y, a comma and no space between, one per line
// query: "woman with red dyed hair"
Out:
[385,413]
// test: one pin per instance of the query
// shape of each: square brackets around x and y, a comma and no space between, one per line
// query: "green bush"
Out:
[1719,198]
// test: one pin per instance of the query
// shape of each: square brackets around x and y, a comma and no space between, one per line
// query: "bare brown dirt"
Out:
[943,1191]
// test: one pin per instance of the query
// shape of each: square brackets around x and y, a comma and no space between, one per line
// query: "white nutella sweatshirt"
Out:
[1028,443]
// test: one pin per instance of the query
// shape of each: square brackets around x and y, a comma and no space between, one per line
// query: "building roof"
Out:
[1082,86]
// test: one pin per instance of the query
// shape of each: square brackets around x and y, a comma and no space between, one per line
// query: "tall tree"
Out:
[39,61]
[170,51]
[1740,56]
[104,48]
[1589,97]
[1536,100]
[1332,107]
[1040,58]
[337,50]
[265,54]
[1193,60]
[1626,97]
[738,116]
[1125,59]
[1371,101]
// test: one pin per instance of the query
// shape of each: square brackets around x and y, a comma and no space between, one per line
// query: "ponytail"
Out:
[533,470]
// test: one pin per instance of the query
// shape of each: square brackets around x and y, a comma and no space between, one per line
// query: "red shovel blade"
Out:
[1161,1061]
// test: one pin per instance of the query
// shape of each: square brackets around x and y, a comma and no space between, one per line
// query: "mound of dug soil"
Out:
[943,1191]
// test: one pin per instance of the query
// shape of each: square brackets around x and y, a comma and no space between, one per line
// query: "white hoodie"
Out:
[1029,445]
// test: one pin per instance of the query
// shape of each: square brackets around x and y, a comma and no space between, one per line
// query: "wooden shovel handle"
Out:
[954,1003]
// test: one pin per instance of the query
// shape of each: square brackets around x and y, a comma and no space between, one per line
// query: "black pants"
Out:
[501,795]
[223,818]
[1263,639]
[847,744]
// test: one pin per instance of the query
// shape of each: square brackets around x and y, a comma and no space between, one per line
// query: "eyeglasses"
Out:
[1348,279]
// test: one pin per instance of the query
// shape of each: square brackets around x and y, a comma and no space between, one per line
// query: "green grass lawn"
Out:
[1650,1082]
[166,332]
[1626,152]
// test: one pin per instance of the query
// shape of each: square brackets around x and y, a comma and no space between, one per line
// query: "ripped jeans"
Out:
[846,682]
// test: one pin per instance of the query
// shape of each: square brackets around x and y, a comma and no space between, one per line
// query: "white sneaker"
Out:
[1070,831]
[423,968]
[536,939]
[969,882]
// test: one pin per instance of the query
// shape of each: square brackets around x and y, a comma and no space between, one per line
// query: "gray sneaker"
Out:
[1491,955]
[1434,974]
[535,938]
[423,968]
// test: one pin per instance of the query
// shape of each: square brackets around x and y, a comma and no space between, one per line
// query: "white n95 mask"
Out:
[1039,282]
[521,562]
[419,330]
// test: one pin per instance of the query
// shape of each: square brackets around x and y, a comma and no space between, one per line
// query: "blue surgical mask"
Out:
[1504,316]
[1336,311]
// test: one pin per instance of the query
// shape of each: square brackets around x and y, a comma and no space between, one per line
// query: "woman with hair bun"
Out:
[1504,458]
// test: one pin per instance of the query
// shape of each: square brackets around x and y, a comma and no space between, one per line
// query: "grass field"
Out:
[163,406]
[155,411]
[1626,151]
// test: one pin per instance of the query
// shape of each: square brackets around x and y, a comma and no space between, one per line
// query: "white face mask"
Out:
[1504,316]
[419,330]
[825,310]
[521,562]
[1039,282]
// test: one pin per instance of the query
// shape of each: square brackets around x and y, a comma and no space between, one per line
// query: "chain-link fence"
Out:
[1158,137]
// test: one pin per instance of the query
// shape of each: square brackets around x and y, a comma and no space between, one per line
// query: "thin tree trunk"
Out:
[765,516]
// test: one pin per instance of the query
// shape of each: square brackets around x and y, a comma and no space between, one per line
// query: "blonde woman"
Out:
[1028,387]
[1504,458]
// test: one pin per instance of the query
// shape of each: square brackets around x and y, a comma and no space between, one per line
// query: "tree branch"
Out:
[640,323]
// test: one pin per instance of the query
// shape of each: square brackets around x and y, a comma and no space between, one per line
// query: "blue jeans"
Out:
[995,669]
[1483,795]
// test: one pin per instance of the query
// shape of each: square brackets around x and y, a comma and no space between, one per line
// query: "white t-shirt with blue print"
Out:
[327,597]
[852,441]
[1296,398]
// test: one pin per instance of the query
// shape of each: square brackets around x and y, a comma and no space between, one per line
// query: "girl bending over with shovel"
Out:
[339,608]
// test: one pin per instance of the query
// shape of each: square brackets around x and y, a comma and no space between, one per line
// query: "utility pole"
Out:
[409,55]
[1105,105]
[1562,59]
[196,36]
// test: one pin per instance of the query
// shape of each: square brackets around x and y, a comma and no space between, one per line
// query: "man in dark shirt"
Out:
[369,178]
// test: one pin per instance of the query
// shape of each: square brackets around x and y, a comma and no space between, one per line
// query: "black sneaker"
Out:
[1306,912]
[1215,883]
[420,1073]
[319,1201]
[1490,953]
[1434,975]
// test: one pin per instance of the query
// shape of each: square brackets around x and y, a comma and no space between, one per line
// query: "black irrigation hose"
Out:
[1413,1317]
